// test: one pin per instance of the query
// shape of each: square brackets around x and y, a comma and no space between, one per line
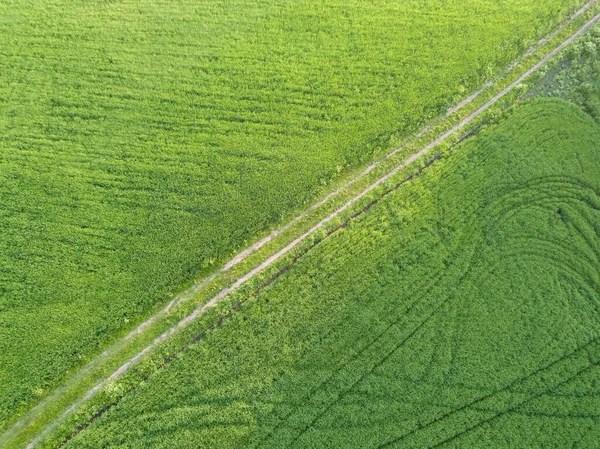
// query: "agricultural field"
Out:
[463,310]
[143,142]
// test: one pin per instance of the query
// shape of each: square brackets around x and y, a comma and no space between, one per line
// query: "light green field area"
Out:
[463,310]
[143,142]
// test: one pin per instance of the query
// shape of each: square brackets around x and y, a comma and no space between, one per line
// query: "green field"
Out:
[461,311]
[576,76]
[143,142]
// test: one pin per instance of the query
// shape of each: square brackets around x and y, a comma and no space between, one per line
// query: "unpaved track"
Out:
[188,294]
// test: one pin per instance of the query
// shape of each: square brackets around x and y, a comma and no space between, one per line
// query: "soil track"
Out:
[38,410]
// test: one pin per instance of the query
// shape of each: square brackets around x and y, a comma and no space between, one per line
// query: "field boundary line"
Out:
[190,292]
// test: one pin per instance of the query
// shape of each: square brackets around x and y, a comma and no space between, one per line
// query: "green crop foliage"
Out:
[143,142]
[463,310]
[577,77]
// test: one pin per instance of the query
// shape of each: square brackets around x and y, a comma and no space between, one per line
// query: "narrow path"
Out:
[188,294]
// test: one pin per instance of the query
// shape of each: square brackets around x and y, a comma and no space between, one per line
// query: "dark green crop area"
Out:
[143,142]
[463,310]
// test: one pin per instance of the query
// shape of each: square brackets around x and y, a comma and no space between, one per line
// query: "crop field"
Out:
[143,142]
[463,310]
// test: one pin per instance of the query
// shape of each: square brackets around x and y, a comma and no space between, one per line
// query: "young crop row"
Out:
[461,311]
